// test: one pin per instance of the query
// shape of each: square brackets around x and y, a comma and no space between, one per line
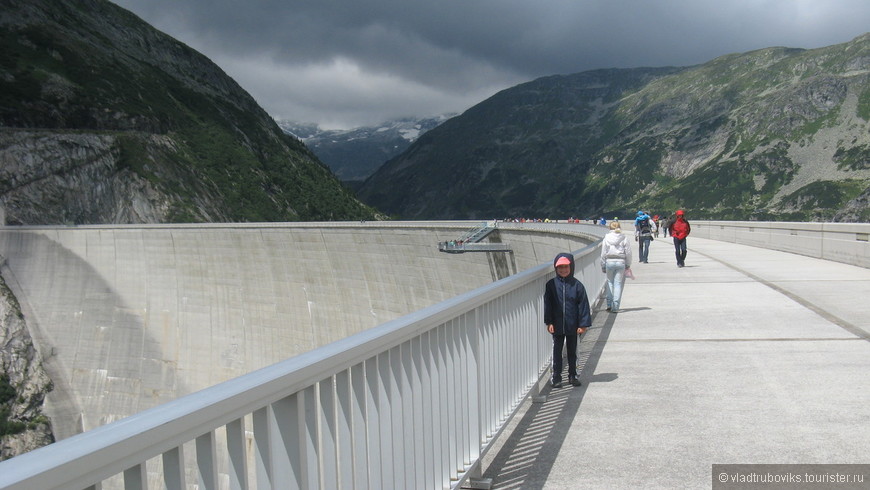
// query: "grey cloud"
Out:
[449,51]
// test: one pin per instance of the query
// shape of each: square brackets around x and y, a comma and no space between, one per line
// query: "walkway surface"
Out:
[745,355]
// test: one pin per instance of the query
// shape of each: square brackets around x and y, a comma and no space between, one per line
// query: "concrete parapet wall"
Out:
[128,317]
[840,242]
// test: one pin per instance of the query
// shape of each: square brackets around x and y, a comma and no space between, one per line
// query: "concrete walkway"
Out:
[746,355]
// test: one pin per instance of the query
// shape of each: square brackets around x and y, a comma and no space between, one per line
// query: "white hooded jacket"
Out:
[616,246]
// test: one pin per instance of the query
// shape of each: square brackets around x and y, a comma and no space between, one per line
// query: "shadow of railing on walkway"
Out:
[526,459]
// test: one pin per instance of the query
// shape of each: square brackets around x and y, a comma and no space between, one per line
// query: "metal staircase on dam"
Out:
[470,241]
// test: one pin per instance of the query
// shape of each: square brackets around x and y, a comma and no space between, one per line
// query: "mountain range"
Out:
[354,154]
[104,119]
[773,134]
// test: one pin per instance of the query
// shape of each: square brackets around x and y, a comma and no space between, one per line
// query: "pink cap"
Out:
[563,261]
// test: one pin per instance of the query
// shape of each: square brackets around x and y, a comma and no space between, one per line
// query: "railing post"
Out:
[135,478]
[309,436]
[344,414]
[284,444]
[173,469]
[384,410]
[428,383]
[360,427]
[238,460]
[327,434]
[206,460]
[403,445]
[263,449]
[373,423]
[416,432]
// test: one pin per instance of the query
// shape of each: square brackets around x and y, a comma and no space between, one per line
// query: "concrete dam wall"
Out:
[129,317]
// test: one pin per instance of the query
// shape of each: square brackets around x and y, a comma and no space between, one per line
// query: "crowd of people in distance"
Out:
[570,219]
[540,220]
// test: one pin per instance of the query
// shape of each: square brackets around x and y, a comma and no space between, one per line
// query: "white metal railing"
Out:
[413,403]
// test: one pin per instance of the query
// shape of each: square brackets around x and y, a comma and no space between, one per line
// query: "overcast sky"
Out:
[348,63]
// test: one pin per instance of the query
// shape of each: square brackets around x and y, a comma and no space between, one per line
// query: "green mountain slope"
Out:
[106,120]
[771,134]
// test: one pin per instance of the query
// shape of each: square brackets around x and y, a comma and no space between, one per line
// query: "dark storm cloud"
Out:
[348,62]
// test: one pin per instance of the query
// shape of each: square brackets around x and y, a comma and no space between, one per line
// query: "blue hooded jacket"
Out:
[566,305]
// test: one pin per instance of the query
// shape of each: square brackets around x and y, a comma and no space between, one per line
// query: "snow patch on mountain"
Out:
[354,154]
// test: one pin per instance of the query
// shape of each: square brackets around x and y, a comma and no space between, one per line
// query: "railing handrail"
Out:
[85,460]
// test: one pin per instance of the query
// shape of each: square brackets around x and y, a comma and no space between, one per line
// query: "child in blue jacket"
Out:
[566,314]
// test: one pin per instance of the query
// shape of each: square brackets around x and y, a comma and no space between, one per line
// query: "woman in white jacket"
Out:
[615,260]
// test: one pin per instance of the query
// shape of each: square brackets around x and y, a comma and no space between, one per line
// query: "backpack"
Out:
[645,228]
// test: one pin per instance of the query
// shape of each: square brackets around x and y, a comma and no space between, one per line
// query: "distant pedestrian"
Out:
[643,235]
[680,229]
[567,315]
[615,260]
[602,221]
[664,226]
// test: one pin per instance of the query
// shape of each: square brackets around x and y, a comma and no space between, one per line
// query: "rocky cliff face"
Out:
[777,134]
[72,178]
[23,383]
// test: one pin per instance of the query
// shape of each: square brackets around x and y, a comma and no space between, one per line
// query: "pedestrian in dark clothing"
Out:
[680,229]
[566,314]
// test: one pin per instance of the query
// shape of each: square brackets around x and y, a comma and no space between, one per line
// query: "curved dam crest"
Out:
[128,317]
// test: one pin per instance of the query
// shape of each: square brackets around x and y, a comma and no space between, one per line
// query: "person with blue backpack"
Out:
[644,228]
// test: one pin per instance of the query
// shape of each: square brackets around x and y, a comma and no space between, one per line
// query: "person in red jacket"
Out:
[679,229]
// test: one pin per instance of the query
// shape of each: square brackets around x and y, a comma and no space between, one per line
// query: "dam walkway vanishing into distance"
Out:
[357,356]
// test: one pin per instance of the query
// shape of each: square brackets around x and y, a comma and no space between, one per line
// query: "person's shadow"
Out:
[526,458]
[639,308]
